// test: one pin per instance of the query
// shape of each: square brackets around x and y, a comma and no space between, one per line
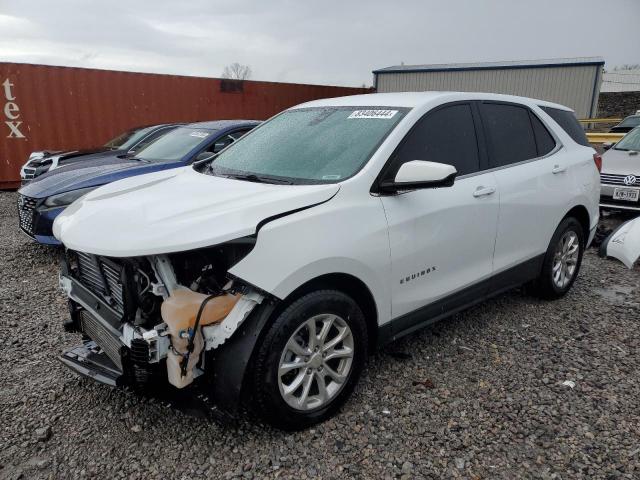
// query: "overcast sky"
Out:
[325,42]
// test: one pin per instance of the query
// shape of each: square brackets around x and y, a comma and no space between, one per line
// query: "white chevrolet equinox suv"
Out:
[266,273]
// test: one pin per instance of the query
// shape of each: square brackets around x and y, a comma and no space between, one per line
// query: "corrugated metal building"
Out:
[59,108]
[574,82]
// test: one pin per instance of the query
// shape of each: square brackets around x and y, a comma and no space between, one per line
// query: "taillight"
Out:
[597,159]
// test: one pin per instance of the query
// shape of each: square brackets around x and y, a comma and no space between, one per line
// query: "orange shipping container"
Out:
[60,108]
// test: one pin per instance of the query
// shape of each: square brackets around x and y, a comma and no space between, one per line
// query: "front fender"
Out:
[338,236]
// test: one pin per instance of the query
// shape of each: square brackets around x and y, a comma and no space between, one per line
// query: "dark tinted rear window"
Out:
[569,123]
[544,140]
[510,134]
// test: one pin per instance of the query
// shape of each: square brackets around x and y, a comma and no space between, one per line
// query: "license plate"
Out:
[626,194]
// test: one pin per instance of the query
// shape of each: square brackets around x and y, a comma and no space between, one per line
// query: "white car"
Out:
[620,176]
[339,225]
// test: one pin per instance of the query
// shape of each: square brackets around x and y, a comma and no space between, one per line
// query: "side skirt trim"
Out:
[461,300]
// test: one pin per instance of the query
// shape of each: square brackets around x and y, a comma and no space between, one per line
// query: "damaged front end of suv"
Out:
[150,319]
[151,285]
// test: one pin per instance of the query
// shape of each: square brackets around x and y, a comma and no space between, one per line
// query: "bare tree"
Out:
[635,66]
[237,71]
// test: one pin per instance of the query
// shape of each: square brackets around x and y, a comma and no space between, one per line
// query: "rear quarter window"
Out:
[544,140]
[569,123]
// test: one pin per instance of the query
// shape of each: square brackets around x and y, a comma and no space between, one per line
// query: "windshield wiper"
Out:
[252,177]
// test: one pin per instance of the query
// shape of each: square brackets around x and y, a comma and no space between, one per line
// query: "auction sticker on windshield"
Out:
[199,134]
[385,114]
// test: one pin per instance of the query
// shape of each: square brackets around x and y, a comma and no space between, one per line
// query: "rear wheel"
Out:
[562,260]
[310,360]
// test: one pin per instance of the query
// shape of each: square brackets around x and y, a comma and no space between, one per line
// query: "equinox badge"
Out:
[419,274]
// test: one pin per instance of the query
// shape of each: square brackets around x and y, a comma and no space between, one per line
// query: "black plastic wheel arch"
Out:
[226,366]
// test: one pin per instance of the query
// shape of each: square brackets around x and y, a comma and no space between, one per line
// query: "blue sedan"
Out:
[42,200]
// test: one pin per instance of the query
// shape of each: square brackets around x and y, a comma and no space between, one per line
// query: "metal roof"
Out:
[442,67]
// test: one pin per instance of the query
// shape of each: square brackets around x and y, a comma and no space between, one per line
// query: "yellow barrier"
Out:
[600,120]
[595,137]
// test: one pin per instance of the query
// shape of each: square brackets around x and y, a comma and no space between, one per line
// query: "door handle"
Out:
[558,169]
[482,191]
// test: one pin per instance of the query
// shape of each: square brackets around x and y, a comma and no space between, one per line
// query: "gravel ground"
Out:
[485,394]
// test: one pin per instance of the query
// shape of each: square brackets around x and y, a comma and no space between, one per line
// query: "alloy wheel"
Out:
[565,259]
[316,362]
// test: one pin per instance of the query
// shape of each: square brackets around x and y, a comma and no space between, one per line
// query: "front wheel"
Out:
[562,260]
[310,360]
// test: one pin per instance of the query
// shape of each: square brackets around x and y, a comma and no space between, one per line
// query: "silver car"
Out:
[620,176]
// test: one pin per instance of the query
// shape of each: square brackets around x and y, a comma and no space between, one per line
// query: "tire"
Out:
[548,285]
[280,399]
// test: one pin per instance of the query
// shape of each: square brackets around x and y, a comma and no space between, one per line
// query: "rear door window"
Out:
[509,133]
[544,140]
[447,135]
[569,123]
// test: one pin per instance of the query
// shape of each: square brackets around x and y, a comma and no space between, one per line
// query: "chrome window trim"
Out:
[557,148]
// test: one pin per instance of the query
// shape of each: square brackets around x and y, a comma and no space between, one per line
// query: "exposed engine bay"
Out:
[145,319]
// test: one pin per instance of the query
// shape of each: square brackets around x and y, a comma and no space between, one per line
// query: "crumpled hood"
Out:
[91,172]
[176,210]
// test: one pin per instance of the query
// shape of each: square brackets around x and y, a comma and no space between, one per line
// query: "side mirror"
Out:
[421,174]
[606,146]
